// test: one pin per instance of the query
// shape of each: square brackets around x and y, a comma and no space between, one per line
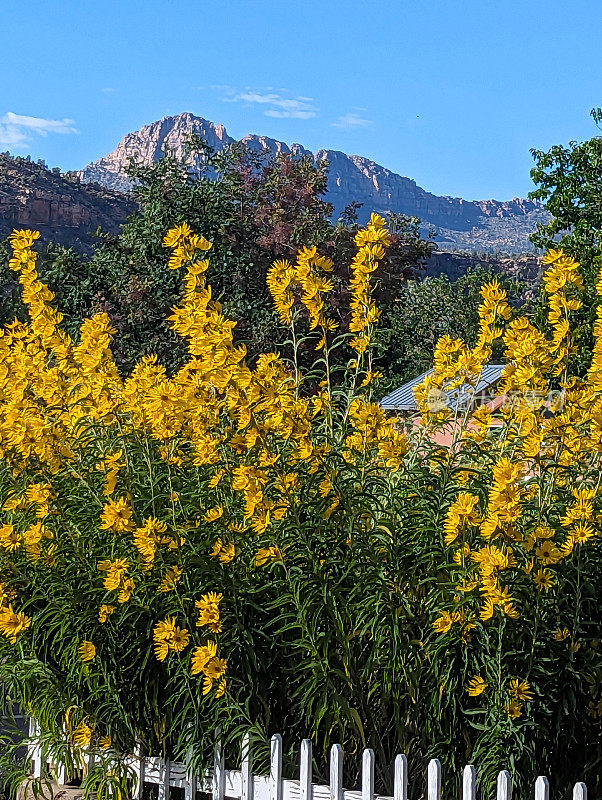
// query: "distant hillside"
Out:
[526,268]
[68,211]
[59,205]
[486,225]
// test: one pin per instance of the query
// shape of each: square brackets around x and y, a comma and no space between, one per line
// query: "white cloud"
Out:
[291,114]
[108,90]
[18,129]
[352,120]
[12,137]
[277,105]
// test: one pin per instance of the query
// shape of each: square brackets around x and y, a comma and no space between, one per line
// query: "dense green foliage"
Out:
[243,546]
[256,207]
[424,311]
[569,181]
[441,602]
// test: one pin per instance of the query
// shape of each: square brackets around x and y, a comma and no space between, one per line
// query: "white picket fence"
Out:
[242,784]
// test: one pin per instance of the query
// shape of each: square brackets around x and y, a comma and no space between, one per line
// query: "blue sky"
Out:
[452,93]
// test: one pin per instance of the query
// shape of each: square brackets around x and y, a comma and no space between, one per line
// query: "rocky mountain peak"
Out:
[149,144]
[458,224]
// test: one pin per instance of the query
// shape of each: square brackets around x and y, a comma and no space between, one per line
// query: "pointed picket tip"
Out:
[469,783]
[400,782]
[433,784]
[276,767]
[336,772]
[580,791]
[305,770]
[542,788]
[368,774]
[504,785]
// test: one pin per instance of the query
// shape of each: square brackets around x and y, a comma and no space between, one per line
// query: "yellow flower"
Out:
[10,538]
[476,686]
[162,634]
[87,651]
[179,640]
[161,650]
[543,579]
[167,637]
[582,532]
[444,621]
[520,690]
[460,515]
[116,515]
[225,552]
[560,634]
[127,588]
[215,668]
[82,735]
[12,623]
[216,478]
[548,553]
[164,630]
[177,234]
[104,612]
[213,514]
[551,256]
[104,742]
[201,657]
[265,554]
[116,572]
[514,709]
[371,376]
[208,607]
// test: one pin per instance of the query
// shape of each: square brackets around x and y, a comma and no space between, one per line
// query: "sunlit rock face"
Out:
[458,224]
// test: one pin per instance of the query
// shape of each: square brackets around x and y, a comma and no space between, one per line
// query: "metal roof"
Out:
[402,399]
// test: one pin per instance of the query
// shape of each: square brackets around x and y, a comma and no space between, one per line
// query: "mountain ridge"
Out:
[486,225]
[56,204]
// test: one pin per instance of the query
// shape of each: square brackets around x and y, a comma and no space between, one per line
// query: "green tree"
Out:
[569,181]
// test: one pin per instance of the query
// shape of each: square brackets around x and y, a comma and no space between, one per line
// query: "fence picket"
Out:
[190,780]
[504,785]
[243,785]
[305,770]
[165,769]
[469,783]
[336,772]
[218,770]
[275,767]
[35,749]
[89,759]
[400,783]
[246,790]
[368,774]
[542,788]
[61,773]
[433,781]
[138,771]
